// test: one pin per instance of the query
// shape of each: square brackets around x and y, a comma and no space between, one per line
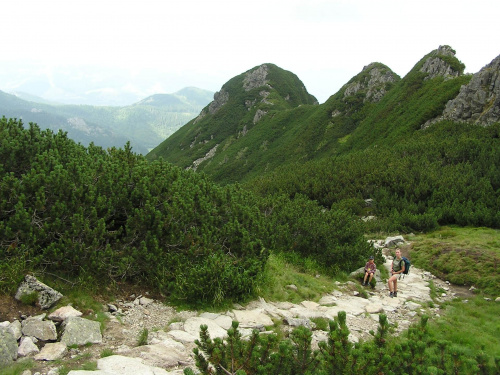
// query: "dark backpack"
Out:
[407,265]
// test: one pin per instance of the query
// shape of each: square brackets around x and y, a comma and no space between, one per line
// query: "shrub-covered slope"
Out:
[418,175]
[92,215]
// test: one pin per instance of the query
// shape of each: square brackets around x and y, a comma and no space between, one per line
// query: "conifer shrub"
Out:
[111,215]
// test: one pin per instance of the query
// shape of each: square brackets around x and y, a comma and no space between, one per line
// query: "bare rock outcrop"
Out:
[255,78]
[220,98]
[436,64]
[478,102]
[374,85]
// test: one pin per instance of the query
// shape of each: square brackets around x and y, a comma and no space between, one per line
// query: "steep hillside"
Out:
[145,124]
[237,109]
[267,131]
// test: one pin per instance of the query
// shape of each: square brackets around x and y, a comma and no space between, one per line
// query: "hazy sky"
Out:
[205,43]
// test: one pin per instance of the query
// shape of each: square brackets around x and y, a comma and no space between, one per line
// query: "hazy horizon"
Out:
[116,52]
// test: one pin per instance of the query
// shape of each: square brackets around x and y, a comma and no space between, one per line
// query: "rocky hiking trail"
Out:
[172,334]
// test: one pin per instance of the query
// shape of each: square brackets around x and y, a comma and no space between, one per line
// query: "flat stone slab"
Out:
[182,336]
[160,355]
[252,318]
[52,352]
[192,326]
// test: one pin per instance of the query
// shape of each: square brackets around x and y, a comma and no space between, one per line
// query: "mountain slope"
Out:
[241,104]
[259,130]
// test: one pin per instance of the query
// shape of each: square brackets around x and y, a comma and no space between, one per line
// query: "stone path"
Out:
[172,334]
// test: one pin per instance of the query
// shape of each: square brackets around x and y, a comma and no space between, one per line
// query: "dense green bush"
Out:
[446,174]
[334,238]
[111,215]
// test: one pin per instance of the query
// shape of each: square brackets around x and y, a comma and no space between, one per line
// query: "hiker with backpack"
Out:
[370,269]
[397,268]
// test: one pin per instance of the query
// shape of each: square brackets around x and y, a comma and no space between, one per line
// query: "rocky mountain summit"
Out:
[374,82]
[439,63]
[61,335]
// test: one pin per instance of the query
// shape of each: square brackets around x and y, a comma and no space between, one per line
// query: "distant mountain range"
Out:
[145,124]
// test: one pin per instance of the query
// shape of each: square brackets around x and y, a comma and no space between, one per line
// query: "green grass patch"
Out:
[280,273]
[17,367]
[143,337]
[464,256]
[29,298]
[107,353]
[473,325]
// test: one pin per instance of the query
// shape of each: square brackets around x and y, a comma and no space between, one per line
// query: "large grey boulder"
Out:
[47,296]
[8,347]
[80,331]
[44,330]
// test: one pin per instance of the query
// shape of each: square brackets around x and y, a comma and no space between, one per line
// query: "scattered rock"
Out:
[64,313]
[80,331]
[8,347]
[52,352]
[47,296]
[44,330]
[393,241]
[27,347]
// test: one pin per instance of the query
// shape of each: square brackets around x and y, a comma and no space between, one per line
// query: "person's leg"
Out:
[396,286]
[364,280]
[390,283]
[371,277]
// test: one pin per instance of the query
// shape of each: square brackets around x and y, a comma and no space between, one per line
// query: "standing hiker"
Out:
[397,268]
[370,269]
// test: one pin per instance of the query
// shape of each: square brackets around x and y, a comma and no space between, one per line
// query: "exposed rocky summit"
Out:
[374,84]
[478,102]
[438,64]
[255,78]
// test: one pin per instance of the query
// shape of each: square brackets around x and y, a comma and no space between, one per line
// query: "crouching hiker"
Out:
[397,268]
[370,269]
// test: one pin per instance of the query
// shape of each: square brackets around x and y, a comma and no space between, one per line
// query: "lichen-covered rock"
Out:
[47,296]
[80,331]
[8,347]
[44,330]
